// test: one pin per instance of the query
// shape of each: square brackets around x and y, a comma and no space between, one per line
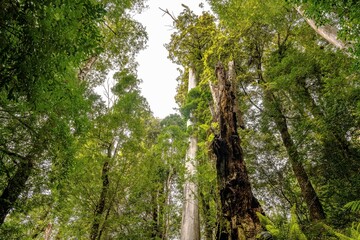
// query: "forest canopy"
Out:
[265,144]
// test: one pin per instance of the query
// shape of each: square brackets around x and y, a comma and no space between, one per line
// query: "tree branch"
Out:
[329,33]
[166,11]
[9,153]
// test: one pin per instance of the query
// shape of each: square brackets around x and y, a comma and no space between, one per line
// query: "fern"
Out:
[295,231]
[354,206]
[269,225]
[354,232]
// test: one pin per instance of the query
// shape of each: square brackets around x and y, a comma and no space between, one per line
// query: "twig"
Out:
[166,11]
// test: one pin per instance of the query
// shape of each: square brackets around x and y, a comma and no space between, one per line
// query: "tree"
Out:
[190,226]
[42,99]
[42,46]
[238,204]
[228,230]
[307,83]
[257,42]
[103,167]
[336,21]
[166,168]
[186,48]
[279,81]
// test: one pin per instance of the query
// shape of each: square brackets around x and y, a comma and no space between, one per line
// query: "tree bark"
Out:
[100,206]
[312,200]
[48,231]
[86,68]
[158,229]
[15,186]
[190,224]
[329,33]
[239,206]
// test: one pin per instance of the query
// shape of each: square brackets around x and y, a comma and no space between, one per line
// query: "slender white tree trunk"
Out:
[190,225]
[329,33]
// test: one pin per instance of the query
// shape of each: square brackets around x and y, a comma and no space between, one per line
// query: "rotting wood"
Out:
[239,206]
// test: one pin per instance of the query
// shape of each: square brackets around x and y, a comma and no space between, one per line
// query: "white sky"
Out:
[156,71]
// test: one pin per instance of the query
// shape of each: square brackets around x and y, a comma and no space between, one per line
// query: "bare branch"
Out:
[166,11]
[255,105]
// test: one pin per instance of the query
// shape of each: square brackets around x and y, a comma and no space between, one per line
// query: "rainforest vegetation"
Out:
[265,144]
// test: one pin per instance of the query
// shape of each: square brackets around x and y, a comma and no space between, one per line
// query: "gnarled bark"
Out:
[239,206]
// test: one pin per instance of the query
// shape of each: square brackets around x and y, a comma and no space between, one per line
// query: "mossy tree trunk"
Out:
[307,190]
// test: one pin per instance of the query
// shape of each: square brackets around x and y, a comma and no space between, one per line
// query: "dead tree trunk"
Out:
[239,206]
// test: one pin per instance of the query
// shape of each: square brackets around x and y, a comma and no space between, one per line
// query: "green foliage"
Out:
[352,232]
[192,102]
[194,36]
[197,103]
[289,230]
[316,91]
[43,107]
[116,141]
[49,114]
[354,206]
[54,119]
[294,227]
[44,43]
[343,15]
[269,225]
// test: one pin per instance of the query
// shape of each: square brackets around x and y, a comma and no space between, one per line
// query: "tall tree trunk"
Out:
[312,200]
[190,224]
[155,215]
[100,206]
[239,206]
[166,215]
[15,185]
[48,231]
[329,33]
[159,202]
